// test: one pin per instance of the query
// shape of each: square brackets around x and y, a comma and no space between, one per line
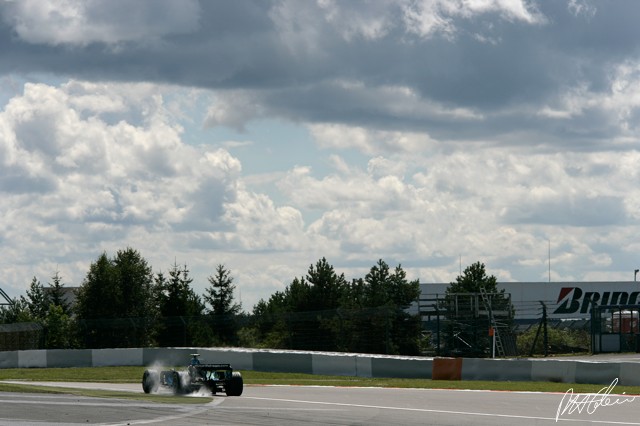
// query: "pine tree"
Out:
[56,294]
[220,294]
[224,309]
[37,300]
[180,310]
[59,328]
[387,295]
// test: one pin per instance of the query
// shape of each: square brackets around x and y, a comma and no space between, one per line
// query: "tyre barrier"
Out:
[339,364]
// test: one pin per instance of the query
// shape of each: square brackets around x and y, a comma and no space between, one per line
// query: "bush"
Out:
[560,341]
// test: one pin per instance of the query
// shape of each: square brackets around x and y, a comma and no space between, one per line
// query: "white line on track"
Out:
[188,410]
[426,410]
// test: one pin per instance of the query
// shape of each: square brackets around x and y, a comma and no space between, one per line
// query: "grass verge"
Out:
[134,375]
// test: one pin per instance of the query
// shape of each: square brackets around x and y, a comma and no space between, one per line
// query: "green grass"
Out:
[257,378]
[79,374]
[134,375]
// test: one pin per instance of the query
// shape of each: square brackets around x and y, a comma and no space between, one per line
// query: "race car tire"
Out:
[235,385]
[150,381]
[176,383]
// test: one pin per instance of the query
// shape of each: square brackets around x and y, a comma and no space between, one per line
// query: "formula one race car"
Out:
[197,377]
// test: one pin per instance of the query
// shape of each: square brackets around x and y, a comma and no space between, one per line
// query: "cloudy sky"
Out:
[264,135]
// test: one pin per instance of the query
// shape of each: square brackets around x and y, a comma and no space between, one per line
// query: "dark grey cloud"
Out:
[502,68]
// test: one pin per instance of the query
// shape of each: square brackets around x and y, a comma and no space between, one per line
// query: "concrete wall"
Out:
[496,369]
[341,364]
[402,367]
[9,359]
[548,370]
[107,357]
[596,372]
[31,358]
[335,364]
[69,358]
[629,374]
[283,361]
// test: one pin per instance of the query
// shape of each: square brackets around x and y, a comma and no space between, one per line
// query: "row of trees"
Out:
[45,306]
[122,303]
[323,311]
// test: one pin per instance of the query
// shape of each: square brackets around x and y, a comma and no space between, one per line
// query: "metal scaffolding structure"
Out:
[7,300]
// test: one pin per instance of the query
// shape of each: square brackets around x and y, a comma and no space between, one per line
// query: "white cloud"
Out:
[103,166]
[263,226]
[302,26]
[117,173]
[367,141]
[70,178]
[431,17]
[234,109]
[490,204]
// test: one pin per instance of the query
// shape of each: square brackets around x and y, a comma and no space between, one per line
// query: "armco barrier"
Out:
[361,365]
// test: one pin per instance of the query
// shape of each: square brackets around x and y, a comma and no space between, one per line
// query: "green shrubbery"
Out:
[560,341]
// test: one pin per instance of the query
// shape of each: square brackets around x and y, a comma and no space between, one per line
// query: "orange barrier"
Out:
[447,369]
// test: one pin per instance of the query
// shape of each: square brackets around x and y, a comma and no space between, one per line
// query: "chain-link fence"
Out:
[21,336]
[383,330]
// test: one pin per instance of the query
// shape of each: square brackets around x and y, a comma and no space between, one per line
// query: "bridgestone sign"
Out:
[573,299]
[564,300]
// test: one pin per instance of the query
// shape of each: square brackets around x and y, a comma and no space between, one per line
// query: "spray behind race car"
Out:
[197,377]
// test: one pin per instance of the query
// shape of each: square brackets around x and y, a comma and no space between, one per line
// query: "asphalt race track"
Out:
[293,405]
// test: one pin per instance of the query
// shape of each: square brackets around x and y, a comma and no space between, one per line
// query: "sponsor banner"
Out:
[572,300]
[564,300]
